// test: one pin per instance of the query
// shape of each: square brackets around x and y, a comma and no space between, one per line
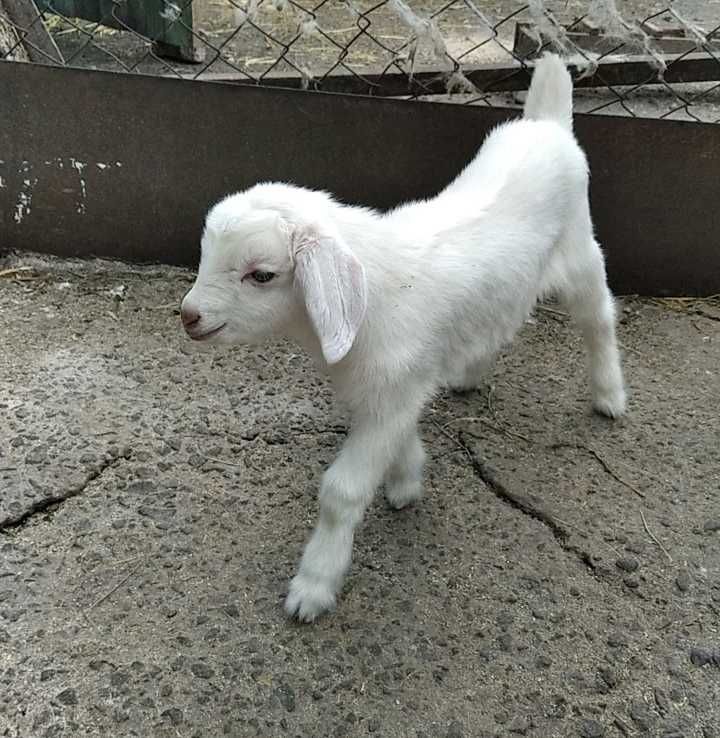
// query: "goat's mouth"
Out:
[208,334]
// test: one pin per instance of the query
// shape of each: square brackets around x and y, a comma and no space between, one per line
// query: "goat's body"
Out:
[484,245]
[397,304]
[453,278]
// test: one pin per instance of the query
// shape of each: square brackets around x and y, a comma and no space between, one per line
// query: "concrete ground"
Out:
[560,578]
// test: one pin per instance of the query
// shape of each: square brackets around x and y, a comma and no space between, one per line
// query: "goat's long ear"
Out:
[333,285]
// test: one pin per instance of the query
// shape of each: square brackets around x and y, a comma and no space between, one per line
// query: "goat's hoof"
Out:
[463,389]
[308,597]
[467,388]
[403,494]
[482,387]
[610,404]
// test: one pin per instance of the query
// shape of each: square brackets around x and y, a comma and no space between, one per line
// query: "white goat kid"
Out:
[396,305]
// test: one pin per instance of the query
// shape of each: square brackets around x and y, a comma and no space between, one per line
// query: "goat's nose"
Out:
[189,315]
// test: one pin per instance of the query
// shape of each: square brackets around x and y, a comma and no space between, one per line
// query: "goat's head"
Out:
[264,272]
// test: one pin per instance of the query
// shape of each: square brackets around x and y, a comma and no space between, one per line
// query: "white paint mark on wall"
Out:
[2,183]
[79,167]
[23,204]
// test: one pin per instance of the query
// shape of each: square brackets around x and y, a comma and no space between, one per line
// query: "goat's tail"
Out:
[550,94]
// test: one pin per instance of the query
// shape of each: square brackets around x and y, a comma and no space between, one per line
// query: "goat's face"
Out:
[264,272]
[244,291]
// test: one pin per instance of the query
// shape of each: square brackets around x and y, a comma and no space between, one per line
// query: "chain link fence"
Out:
[638,58]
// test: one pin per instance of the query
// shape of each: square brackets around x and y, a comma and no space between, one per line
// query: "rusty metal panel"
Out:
[119,177]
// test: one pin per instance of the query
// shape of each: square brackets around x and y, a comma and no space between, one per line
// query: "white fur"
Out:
[405,302]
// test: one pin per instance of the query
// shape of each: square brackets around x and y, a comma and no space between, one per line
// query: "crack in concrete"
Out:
[526,506]
[17,521]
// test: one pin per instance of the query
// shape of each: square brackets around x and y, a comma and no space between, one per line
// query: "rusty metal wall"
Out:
[120,166]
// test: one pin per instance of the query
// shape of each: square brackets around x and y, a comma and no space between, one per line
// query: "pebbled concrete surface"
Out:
[560,578]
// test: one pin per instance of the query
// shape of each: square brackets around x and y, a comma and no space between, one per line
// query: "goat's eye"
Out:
[261,277]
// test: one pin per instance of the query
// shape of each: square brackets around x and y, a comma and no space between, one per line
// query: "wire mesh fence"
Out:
[638,58]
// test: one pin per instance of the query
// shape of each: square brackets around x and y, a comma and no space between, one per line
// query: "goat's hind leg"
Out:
[585,294]
[473,376]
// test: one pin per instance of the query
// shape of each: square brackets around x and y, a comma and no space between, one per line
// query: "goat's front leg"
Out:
[347,488]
